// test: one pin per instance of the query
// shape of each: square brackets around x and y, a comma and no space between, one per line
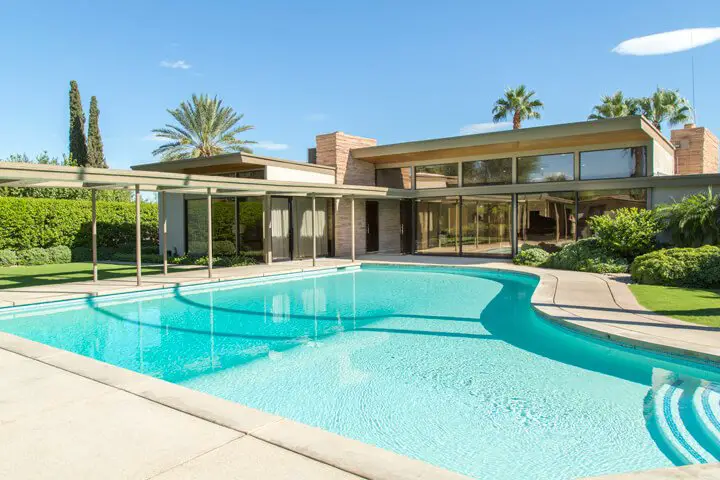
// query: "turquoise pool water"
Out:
[451,366]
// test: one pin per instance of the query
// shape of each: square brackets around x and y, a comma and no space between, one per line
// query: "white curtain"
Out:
[303,227]
[280,221]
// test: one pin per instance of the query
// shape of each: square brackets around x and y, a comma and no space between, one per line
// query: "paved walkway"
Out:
[63,415]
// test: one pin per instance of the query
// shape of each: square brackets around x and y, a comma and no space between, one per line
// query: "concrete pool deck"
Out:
[63,415]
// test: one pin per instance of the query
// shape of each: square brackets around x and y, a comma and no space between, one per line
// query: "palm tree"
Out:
[206,128]
[615,105]
[665,106]
[519,104]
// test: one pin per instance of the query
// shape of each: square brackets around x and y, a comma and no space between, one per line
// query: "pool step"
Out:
[706,404]
[682,425]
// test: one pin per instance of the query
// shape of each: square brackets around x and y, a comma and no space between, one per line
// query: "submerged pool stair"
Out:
[687,418]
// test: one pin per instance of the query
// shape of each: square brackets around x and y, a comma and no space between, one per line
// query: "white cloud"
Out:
[154,138]
[268,145]
[181,64]
[484,127]
[316,117]
[668,42]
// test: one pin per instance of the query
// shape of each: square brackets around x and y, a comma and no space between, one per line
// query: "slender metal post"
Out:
[164,231]
[138,237]
[209,226]
[93,197]
[352,229]
[314,234]
[267,229]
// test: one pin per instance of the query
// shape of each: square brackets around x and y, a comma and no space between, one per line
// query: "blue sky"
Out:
[392,70]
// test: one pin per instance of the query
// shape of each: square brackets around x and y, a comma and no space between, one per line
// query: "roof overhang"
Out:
[52,176]
[568,136]
[231,162]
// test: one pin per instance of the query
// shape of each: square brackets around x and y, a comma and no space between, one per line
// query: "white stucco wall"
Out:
[295,175]
[663,161]
[175,222]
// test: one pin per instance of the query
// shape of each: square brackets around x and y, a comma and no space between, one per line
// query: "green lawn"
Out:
[690,304]
[13,277]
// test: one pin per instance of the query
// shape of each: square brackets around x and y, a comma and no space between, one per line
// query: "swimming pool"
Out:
[451,366]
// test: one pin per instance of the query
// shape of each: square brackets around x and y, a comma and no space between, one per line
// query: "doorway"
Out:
[372,239]
[406,218]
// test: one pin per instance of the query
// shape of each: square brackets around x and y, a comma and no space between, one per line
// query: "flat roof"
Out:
[568,135]
[230,162]
[50,176]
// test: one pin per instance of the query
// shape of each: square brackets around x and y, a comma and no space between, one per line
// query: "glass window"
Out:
[394,178]
[250,226]
[486,224]
[259,174]
[617,163]
[487,172]
[545,168]
[598,202]
[436,176]
[223,226]
[546,220]
[436,227]
[302,228]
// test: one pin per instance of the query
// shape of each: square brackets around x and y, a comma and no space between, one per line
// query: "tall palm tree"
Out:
[518,103]
[666,106]
[615,105]
[206,128]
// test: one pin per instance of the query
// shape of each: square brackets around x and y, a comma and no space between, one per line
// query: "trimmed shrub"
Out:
[224,248]
[235,261]
[33,256]
[41,222]
[81,254]
[679,267]
[627,232]
[533,257]
[59,254]
[8,258]
[130,257]
[587,255]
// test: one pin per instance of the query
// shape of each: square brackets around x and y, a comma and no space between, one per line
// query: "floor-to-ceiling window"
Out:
[236,226]
[598,202]
[547,220]
[486,222]
[436,229]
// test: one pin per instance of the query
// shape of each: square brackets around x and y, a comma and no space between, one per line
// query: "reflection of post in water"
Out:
[140,337]
[315,307]
[354,305]
[212,330]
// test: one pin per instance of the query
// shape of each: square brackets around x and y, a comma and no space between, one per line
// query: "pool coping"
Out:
[343,453]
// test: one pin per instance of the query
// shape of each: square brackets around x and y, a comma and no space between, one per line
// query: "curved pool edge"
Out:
[628,323]
[343,453]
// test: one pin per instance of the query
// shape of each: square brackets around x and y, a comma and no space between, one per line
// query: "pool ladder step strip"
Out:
[667,412]
[706,403]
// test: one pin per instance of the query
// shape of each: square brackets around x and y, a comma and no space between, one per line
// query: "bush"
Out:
[81,254]
[694,221]
[587,255]
[627,232]
[33,256]
[8,258]
[235,261]
[59,254]
[224,248]
[679,267]
[533,257]
[40,222]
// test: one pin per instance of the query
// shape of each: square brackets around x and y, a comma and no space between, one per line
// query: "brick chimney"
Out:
[696,150]
[333,149]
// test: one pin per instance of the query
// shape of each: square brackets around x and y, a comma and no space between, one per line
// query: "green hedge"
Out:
[533,257]
[27,223]
[627,232]
[587,255]
[679,267]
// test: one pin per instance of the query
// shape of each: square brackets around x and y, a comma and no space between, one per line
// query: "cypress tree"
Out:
[78,146]
[95,155]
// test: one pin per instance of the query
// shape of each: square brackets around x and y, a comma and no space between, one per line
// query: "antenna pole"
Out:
[692,65]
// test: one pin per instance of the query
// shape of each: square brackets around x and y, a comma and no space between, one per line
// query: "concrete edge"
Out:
[351,456]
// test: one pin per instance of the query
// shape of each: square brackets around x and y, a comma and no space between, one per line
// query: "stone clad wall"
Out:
[696,150]
[333,149]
